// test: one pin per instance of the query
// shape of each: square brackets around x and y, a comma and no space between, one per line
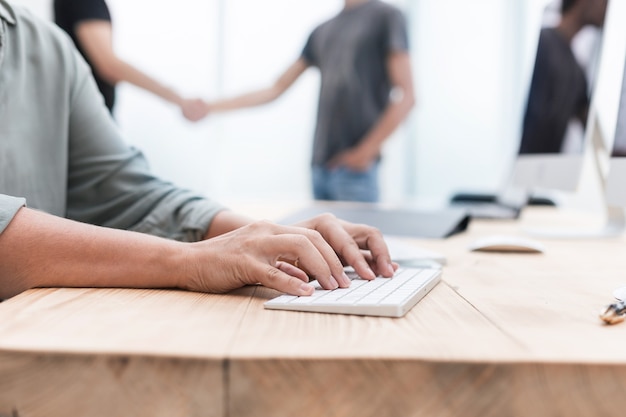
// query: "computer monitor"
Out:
[616,180]
[556,118]
[601,126]
[554,71]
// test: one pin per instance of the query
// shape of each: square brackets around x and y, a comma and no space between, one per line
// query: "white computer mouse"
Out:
[506,243]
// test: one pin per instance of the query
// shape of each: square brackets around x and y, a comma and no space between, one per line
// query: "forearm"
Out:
[264,95]
[40,250]
[95,37]
[226,221]
[122,71]
[253,99]
[390,120]
[402,100]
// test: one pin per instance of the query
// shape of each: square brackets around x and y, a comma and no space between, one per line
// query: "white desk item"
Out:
[506,243]
[620,293]
[491,211]
[407,253]
[389,297]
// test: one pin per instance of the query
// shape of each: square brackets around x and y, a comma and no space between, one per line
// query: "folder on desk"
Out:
[408,222]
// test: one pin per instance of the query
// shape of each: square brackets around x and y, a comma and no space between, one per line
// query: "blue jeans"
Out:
[342,184]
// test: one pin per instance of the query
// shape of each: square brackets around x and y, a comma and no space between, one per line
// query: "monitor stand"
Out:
[615,220]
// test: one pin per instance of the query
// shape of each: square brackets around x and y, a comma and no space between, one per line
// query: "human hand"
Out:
[279,257]
[356,159]
[357,245]
[194,109]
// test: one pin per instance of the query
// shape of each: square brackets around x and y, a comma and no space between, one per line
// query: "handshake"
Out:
[194,109]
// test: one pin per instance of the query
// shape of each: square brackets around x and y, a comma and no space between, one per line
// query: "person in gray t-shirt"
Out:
[366,92]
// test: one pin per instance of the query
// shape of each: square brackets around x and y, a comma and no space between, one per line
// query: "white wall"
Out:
[468,71]
[471,65]
[178,46]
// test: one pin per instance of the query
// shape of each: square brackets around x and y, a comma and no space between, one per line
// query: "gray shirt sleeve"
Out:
[307,52]
[397,37]
[110,184]
[8,208]
[61,151]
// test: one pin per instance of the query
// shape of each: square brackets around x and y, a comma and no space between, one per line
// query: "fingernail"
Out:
[333,283]
[346,280]
[306,289]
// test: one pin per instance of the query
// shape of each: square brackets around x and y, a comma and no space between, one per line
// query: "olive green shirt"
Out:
[62,153]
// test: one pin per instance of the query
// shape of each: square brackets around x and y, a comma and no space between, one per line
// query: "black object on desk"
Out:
[392,221]
[493,198]
[495,207]
[473,198]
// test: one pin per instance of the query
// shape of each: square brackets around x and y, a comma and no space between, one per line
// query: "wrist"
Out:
[368,150]
[178,265]
[173,97]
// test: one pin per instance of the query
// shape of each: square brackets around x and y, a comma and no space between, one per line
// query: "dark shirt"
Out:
[558,94]
[68,14]
[619,144]
[351,51]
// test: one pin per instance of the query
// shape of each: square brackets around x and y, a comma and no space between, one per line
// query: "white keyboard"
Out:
[389,297]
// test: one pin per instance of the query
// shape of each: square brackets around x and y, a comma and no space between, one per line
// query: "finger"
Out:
[335,162]
[292,270]
[375,243]
[339,242]
[337,274]
[348,248]
[370,239]
[328,269]
[273,277]
[372,263]
[314,255]
[334,231]
[352,255]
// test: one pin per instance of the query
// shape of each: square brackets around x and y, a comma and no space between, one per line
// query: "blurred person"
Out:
[88,22]
[366,92]
[80,208]
[559,91]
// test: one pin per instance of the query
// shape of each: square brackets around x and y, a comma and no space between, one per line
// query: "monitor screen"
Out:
[619,143]
[556,117]
[616,181]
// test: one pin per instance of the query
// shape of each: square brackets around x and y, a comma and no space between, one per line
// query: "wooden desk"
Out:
[502,335]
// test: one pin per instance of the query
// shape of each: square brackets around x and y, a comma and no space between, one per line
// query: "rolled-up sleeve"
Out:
[9,206]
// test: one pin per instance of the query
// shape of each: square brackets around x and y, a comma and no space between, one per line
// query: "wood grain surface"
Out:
[38,384]
[502,335]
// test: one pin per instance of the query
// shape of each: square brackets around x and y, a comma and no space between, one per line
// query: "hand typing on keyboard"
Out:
[287,257]
[391,297]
